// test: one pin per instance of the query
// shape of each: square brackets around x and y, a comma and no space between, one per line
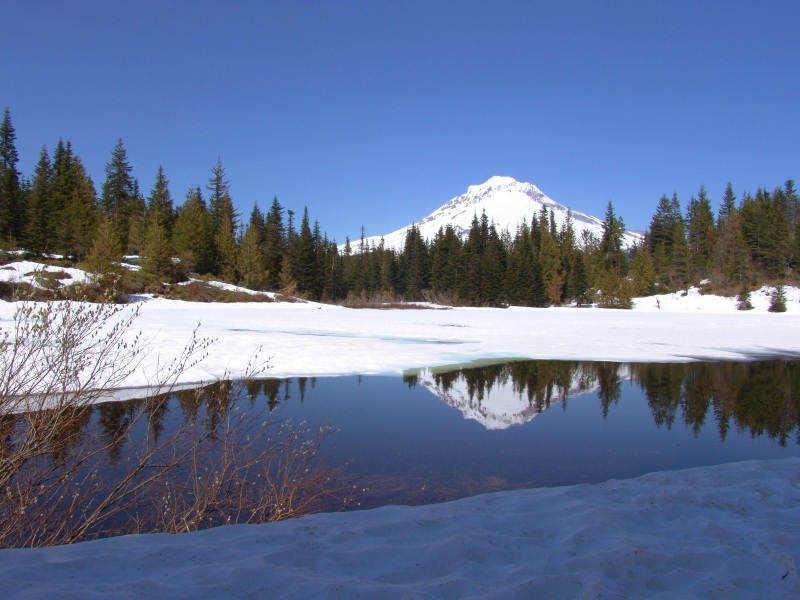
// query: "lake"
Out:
[437,435]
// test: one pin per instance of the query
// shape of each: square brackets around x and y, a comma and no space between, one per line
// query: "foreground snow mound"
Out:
[730,531]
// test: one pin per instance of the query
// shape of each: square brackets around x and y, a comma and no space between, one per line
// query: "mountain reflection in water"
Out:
[760,397]
[593,421]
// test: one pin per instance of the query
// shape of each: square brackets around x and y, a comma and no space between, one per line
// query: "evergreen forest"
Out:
[58,211]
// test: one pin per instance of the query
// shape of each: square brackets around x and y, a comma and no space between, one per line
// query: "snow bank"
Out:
[730,531]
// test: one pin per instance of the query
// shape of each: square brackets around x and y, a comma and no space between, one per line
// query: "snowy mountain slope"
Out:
[507,203]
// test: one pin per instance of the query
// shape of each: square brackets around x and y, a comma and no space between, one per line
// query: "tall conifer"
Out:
[12,209]
[118,198]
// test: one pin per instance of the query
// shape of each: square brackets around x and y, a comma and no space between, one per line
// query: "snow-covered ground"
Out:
[309,339]
[731,531]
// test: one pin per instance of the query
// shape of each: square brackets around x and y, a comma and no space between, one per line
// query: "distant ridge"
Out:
[507,202]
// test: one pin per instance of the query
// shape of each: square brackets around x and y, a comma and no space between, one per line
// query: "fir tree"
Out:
[679,273]
[743,301]
[793,210]
[38,233]
[446,259]
[614,291]
[555,289]
[251,259]
[77,220]
[578,283]
[611,241]
[569,249]
[157,252]
[304,263]
[12,209]
[224,220]
[288,284]
[193,236]
[730,244]
[159,203]
[414,265]
[104,258]
[642,272]
[274,244]
[701,234]
[777,301]
[493,270]
[525,283]
[118,198]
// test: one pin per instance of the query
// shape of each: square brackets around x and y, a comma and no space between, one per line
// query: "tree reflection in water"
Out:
[761,397]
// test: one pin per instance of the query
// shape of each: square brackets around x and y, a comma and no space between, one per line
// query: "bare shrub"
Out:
[442,297]
[378,299]
[71,470]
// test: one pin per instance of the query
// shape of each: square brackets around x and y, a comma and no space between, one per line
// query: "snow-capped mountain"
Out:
[507,203]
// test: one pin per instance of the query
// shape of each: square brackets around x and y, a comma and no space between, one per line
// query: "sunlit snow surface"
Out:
[307,339]
[731,531]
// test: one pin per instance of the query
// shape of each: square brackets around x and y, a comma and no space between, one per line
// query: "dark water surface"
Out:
[440,435]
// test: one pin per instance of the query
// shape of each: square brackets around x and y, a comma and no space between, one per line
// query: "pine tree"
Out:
[193,236]
[104,258]
[793,209]
[157,252]
[765,229]
[642,272]
[701,234]
[550,260]
[40,206]
[159,203]
[567,242]
[287,282]
[251,259]
[614,291]
[274,244]
[578,283]
[471,284]
[555,289]
[224,221]
[730,244]
[304,259]
[679,274]
[446,261]
[414,265]
[118,198]
[219,189]
[12,208]
[77,221]
[493,269]
[525,284]
[778,299]
[611,241]
[743,301]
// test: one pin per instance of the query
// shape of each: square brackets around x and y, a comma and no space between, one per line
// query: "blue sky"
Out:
[376,113]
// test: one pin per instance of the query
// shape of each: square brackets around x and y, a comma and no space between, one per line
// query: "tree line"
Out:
[58,210]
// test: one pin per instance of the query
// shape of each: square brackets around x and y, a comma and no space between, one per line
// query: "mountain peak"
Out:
[501,182]
[495,182]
